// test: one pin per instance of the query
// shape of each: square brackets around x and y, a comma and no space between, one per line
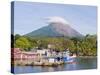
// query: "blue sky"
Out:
[29,16]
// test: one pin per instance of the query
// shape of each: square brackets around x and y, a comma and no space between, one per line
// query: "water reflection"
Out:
[81,63]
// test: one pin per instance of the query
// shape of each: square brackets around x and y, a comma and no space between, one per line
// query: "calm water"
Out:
[81,64]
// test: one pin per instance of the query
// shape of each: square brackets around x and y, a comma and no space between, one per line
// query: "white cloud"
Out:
[56,19]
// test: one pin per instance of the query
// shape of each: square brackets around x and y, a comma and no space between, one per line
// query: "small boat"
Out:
[67,58]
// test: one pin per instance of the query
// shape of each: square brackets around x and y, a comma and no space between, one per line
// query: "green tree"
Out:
[17,36]
[88,45]
[23,43]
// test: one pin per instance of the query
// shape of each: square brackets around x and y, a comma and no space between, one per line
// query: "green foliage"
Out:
[86,46]
[23,43]
[90,45]
[17,36]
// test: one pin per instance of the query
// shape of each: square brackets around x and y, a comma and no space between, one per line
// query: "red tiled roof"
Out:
[15,50]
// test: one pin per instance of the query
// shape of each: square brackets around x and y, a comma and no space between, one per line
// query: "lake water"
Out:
[80,64]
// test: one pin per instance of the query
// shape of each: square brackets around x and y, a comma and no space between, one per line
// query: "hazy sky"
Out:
[29,16]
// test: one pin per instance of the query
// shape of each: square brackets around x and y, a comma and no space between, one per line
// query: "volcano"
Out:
[57,27]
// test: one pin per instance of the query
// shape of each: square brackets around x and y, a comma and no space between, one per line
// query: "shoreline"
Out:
[86,56]
[37,64]
[34,63]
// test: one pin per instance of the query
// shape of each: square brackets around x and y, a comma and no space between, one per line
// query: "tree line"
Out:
[86,46]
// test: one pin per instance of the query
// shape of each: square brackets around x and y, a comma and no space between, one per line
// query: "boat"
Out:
[67,58]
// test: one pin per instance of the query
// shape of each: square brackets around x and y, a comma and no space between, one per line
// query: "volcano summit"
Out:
[57,27]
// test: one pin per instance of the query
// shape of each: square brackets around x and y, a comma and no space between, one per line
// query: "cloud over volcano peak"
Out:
[56,19]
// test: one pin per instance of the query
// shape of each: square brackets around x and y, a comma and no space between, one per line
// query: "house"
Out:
[17,54]
[51,60]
